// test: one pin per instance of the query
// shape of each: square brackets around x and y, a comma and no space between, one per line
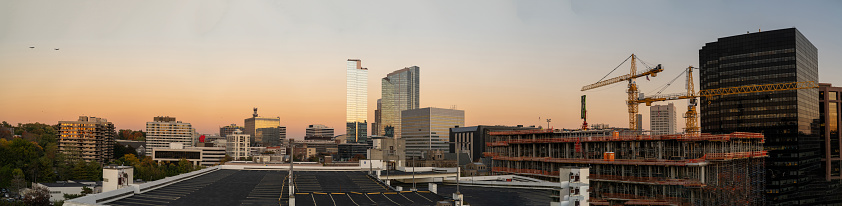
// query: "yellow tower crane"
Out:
[632,91]
[691,116]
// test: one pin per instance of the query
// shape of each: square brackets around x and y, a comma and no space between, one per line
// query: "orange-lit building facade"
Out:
[90,139]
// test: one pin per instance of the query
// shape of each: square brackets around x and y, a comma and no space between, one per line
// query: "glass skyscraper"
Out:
[428,129]
[255,123]
[356,102]
[400,91]
[784,117]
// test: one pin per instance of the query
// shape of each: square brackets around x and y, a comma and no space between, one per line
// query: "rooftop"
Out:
[252,187]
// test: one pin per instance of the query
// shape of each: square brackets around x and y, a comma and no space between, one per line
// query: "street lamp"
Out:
[458,146]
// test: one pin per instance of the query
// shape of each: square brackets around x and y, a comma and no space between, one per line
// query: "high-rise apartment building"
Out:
[356,101]
[662,119]
[784,117]
[89,139]
[238,145]
[318,132]
[226,130]
[427,129]
[400,91]
[828,130]
[162,131]
[256,122]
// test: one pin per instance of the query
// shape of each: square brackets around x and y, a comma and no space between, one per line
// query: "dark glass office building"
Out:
[793,175]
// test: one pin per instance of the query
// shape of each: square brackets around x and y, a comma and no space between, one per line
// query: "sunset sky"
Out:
[504,62]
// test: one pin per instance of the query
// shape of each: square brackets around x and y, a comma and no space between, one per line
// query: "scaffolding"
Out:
[632,168]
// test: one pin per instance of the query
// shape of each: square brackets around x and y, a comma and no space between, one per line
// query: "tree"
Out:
[121,150]
[184,166]
[128,134]
[18,182]
[39,195]
[87,190]
[5,133]
[72,196]
[226,159]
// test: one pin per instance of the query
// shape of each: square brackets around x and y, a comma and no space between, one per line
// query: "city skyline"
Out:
[209,63]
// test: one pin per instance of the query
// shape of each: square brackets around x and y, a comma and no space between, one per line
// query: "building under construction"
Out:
[629,168]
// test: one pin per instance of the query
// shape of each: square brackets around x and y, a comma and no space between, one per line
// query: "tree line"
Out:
[35,157]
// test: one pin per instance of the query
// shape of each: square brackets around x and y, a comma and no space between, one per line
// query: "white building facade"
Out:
[238,145]
[165,130]
[662,119]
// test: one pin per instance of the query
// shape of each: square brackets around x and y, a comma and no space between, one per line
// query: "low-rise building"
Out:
[304,153]
[138,146]
[70,187]
[318,132]
[206,156]
[390,150]
[348,151]
[321,146]
[476,169]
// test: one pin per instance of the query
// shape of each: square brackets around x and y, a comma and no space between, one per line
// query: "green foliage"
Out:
[87,171]
[17,182]
[226,159]
[72,196]
[87,190]
[41,133]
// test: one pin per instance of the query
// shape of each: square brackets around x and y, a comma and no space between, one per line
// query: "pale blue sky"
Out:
[504,62]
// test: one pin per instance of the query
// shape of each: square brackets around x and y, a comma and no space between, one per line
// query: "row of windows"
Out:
[753,62]
[759,116]
[757,77]
[754,54]
[754,124]
[757,101]
[830,96]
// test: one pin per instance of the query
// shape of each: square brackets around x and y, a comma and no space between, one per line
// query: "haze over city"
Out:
[503,62]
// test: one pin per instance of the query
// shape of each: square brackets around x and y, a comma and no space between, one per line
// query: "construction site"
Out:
[628,166]
[633,169]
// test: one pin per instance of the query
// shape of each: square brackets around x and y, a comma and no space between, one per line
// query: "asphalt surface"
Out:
[247,187]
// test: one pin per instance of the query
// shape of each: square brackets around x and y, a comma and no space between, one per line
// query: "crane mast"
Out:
[632,91]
